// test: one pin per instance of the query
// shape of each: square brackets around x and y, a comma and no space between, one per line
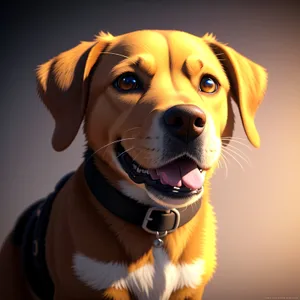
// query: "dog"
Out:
[134,221]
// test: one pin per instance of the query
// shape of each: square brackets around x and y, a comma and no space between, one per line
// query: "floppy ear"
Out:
[62,84]
[248,82]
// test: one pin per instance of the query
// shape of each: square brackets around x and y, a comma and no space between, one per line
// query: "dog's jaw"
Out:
[207,156]
[169,202]
[144,196]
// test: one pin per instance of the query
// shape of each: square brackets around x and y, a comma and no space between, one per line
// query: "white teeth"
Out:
[176,188]
[139,170]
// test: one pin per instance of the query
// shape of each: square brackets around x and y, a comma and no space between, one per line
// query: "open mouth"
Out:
[180,178]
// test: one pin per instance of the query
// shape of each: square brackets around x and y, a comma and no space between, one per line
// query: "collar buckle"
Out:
[148,218]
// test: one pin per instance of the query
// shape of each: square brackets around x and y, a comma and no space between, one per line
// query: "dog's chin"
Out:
[141,184]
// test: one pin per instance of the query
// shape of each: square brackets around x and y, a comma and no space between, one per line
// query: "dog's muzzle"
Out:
[181,177]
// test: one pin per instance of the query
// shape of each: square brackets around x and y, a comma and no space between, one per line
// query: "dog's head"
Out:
[155,105]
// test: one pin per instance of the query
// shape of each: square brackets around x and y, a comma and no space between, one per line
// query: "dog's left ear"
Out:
[248,82]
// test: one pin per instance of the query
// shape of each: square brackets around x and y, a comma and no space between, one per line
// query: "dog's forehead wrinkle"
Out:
[144,61]
[193,64]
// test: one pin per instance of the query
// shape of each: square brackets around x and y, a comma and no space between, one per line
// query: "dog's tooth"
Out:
[147,172]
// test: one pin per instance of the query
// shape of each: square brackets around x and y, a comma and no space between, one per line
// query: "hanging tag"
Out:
[158,242]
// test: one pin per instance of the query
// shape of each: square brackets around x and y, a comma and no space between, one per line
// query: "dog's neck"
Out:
[154,220]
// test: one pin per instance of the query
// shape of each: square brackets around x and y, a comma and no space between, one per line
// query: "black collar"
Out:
[152,219]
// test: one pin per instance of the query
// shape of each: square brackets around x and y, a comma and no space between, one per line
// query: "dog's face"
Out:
[155,105]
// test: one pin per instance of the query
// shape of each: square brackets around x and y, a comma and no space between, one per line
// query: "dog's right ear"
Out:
[62,85]
[248,83]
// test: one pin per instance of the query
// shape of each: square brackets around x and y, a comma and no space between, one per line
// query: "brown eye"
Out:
[208,85]
[127,82]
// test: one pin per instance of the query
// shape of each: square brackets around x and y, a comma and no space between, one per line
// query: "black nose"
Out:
[185,121]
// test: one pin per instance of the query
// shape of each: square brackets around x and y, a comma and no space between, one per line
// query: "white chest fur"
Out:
[155,281]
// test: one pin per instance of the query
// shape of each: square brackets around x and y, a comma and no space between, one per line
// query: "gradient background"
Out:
[257,210]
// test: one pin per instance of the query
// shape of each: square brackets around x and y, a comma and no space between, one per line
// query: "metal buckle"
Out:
[148,218]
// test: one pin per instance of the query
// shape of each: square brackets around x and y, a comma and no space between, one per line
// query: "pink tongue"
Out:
[181,172]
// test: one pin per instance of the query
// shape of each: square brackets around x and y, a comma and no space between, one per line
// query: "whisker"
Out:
[109,144]
[134,158]
[133,128]
[228,153]
[186,207]
[219,166]
[225,158]
[246,159]
[225,164]
[125,56]
[125,152]
[233,138]
[117,54]
[234,147]
[231,147]
[238,142]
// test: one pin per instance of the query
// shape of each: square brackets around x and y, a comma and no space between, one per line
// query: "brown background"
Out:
[257,209]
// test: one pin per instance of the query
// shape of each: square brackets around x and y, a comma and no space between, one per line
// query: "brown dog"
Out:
[134,221]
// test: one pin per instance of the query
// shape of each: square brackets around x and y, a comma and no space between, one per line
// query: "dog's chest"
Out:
[151,281]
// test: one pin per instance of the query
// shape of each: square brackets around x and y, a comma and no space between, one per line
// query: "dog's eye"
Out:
[127,82]
[208,85]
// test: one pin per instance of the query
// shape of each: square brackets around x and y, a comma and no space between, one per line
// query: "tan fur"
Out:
[76,86]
